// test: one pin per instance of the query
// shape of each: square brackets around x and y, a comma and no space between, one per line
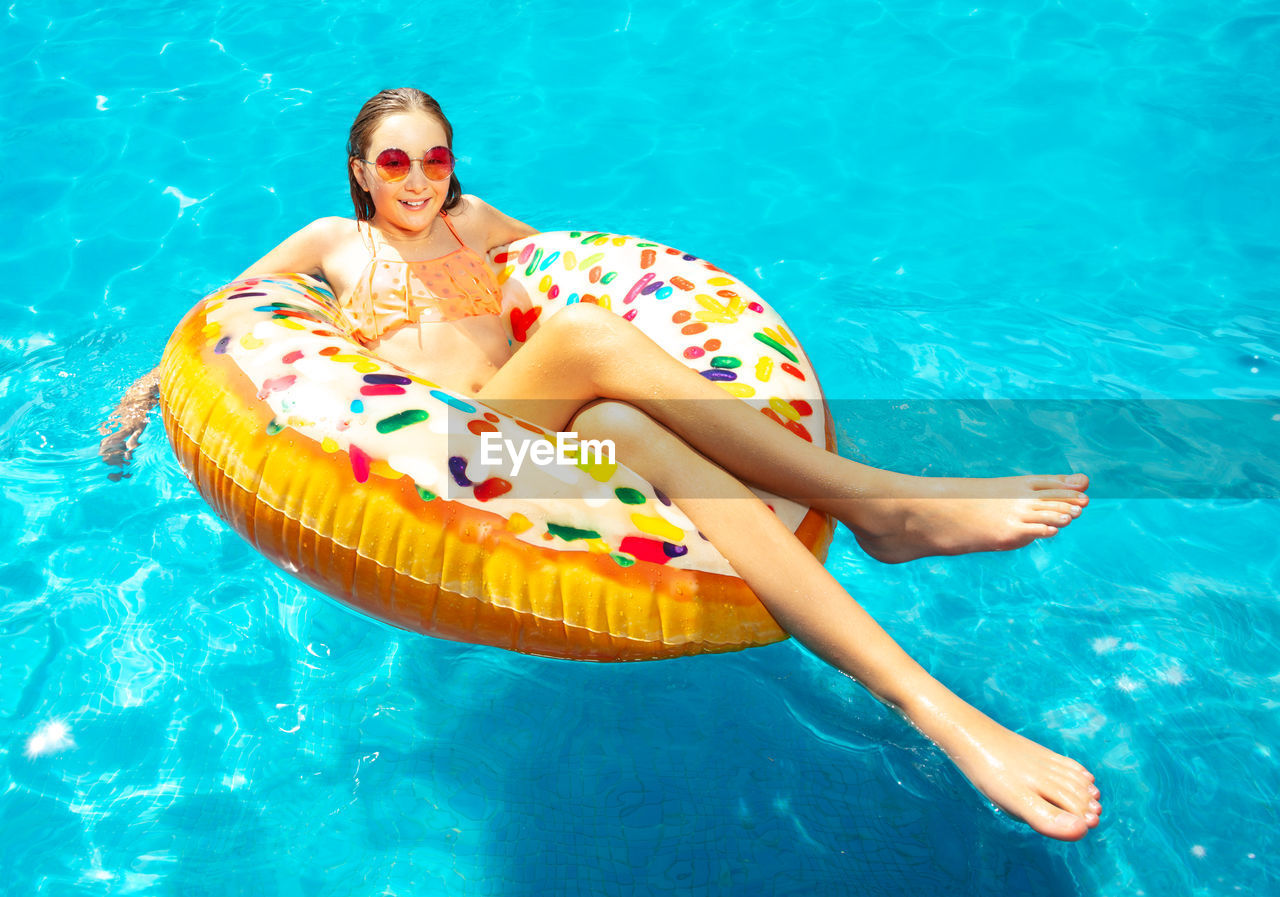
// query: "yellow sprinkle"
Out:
[783,407]
[212,329]
[720,281]
[518,523]
[416,379]
[656,526]
[569,260]
[764,368]
[213,305]
[365,367]
[712,317]
[710,304]
[329,445]
[290,323]
[590,260]
[741,390]
[298,422]
[601,472]
[545,283]
[597,546]
[604,301]
[249,341]
[347,357]
[619,241]
[780,334]
[505,273]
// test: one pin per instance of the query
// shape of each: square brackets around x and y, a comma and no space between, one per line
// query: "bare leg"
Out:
[1051,793]
[584,353]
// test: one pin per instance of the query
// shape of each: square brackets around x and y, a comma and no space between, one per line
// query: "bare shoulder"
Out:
[487,225]
[307,250]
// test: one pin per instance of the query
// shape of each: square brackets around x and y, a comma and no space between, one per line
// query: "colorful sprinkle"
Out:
[664,293]
[691,329]
[642,549]
[292,357]
[629,496]
[631,315]
[249,341]
[711,345]
[792,370]
[694,352]
[571,533]
[425,494]
[608,278]
[458,470]
[764,369]
[276,384]
[741,390]
[549,261]
[681,316]
[518,523]
[719,374]
[274,427]
[802,406]
[521,321]
[525,254]
[221,348]
[387,389]
[726,361]
[360,463]
[401,420]
[674,551]
[480,426]
[774,344]
[756,307]
[357,406]
[386,379]
[623,560]
[656,526]
[681,283]
[453,401]
[492,488]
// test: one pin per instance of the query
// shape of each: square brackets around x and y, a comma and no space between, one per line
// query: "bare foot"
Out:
[1053,794]
[942,515]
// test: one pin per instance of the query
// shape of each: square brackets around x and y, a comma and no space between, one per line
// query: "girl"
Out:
[411,275]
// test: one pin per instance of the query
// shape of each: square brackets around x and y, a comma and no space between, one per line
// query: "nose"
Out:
[417,178]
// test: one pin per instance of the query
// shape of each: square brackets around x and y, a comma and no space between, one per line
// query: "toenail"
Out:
[1065,518]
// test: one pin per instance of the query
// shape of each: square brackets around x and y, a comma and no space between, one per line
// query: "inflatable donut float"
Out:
[384,491]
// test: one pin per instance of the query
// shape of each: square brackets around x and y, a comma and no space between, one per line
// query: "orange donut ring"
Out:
[365,480]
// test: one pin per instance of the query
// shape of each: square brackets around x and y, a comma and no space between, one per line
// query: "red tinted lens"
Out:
[437,164]
[393,164]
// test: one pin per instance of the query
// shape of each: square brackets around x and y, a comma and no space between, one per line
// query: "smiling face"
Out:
[405,208]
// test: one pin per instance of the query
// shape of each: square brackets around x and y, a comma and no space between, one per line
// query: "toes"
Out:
[1076,482]
[1048,518]
[1058,823]
[1066,495]
[1060,507]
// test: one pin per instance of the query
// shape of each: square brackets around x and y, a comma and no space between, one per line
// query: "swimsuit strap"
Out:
[445,216]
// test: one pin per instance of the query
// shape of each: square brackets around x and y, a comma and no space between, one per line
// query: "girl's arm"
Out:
[304,252]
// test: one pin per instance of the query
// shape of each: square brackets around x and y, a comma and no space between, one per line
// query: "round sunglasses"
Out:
[394,164]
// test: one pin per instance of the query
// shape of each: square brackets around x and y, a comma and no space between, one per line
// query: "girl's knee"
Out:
[617,421]
[587,323]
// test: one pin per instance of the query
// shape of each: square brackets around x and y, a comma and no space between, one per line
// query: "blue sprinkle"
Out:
[672,550]
[453,402]
[357,406]
[221,348]
[244,295]
[689,258]
[719,374]
[549,260]
[387,379]
[458,469]
[662,497]
[664,292]
[573,297]
[651,288]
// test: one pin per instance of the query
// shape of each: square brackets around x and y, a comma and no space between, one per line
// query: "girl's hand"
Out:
[123,428]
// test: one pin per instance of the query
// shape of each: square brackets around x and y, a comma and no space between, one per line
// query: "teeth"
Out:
[415,205]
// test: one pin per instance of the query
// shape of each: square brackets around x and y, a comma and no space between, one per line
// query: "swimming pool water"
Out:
[1037,203]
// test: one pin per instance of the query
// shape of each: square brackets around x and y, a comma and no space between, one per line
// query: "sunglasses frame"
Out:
[422,161]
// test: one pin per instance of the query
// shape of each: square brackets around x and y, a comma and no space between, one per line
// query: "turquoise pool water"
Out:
[1030,202]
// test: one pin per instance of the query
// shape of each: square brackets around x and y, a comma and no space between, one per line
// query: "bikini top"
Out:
[391,292]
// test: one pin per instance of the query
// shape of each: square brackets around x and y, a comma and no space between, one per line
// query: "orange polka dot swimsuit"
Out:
[391,292]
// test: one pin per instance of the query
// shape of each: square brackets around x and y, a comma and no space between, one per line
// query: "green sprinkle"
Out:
[274,427]
[773,343]
[575,234]
[622,560]
[629,496]
[425,494]
[645,245]
[401,420]
[608,278]
[569,533]
[726,361]
[533,262]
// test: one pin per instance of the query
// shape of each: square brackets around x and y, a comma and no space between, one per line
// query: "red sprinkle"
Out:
[792,370]
[381,389]
[694,352]
[292,356]
[359,463]
[492,488]
[802,406]
[644,549]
